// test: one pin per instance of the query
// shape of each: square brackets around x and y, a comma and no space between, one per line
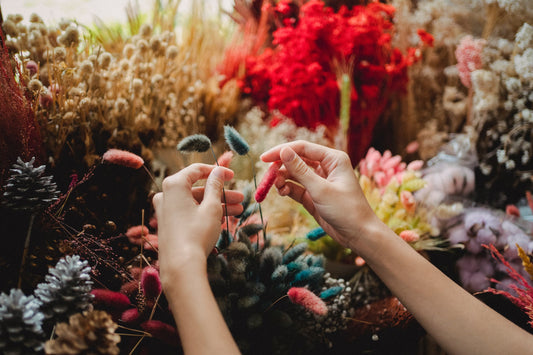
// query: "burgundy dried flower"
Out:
[308,300]
[268,181]
[32,67]
[162,331]
[124,158]
[130,316]
[150,282]
[110,299]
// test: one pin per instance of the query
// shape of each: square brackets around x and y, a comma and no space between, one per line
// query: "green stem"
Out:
[344,114]
[223,194]
[259,205]
[26,249]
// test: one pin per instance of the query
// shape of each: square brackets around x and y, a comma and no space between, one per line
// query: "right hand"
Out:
[330,193]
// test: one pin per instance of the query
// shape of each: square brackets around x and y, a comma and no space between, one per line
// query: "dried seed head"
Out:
[142,46]
[128,50]
[71,37]
[172,52]
[60,54]
[194,143]
[36,18]
[35,85]
[10,28]
[105,60]
[136,86]
[15,18]
[145,30]
[155,44]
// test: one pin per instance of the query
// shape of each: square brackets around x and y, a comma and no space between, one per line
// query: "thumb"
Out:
[299,170]
[215,184]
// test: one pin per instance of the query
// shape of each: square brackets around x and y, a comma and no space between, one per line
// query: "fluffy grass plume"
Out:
[194,143]
[235,141]
[124,158]
[267,182]
[308,300]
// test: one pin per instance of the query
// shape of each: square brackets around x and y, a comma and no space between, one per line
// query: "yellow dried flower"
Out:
[528,266]
[145,30]
[35,85]
[36,18]
[413,185]
[10,28]
[172,52]
[15,18]
[60,54]
[105,60]
[128,50]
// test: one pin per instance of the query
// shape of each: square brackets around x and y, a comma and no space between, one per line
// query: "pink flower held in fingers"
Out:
[124,158]
[225,159]
[409,236]
[150,283]
[137,232]
[308,300]
[267,182]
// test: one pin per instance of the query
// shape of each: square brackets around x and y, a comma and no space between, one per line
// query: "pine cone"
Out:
[67,289]
[88,333]
[28,189]
[20,324]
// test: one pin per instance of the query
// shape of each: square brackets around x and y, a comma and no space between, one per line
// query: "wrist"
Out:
[182,267]
[371,235]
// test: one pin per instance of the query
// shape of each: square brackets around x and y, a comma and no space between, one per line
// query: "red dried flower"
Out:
[468,54]
[267,181]
[124,158]
[512,210]
[110,299]
[425,37]
[150,282]
[308,300]
[162,331]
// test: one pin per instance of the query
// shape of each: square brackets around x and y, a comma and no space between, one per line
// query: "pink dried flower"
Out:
[124,158]
[512,210]
[32,67]
[150,282]
[412,147]
[137,232]
[359,261]
[162,331]
[267,182]
[415,165]
[45,99]
[308,300]
[152,242]
[225,159]
[408,201]
[130,316]
[468,54]
[153,222]
[409,236]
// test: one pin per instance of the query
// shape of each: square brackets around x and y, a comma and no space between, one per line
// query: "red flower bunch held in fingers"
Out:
[298,75]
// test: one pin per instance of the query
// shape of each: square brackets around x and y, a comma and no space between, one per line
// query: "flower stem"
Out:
[258,204]
[26,249]
[223,194]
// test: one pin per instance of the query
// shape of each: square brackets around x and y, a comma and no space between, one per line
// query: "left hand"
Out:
[189,218]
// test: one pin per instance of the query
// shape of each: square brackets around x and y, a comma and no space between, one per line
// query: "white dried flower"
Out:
[35,85]
[524,65]
[60,54]
[510,164]
[501,156]
[524,37]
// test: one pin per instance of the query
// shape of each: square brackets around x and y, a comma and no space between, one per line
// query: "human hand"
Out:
[323,181]
[189,218]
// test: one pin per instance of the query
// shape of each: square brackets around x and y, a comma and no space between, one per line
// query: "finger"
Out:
[233,209]
[299,194]
[215,184]
[300,171]
[306,150]
[232,196]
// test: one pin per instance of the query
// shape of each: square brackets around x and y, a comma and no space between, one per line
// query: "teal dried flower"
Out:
[331,292]
[316,234]
[67,289]
[294,252]
[311,276]
[235,141]
[280,273]
[194,143]
[20,324]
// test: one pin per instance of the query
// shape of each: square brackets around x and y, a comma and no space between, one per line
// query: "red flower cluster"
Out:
[298,76]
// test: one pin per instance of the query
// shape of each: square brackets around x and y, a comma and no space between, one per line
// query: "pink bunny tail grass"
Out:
[153,222]
[415,165]
[130,316]
[512,210]
[308,300]
[408,201]
[152,242]
[412,147]
[137,232]
[124,158]
[150,282]
[267,182]
[114,301]
[225,159]
[409,236]
[162,331]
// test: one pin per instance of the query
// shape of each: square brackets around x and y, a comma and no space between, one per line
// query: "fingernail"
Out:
[218,172]
[287,155]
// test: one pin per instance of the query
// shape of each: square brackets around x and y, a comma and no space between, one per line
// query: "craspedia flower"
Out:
[267,181]
[88,333]
[194,143]
[235,141]
[308,300]
[124,158]
[28,189]
[20,324]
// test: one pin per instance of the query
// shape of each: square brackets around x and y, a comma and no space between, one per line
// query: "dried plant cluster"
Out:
[154,90]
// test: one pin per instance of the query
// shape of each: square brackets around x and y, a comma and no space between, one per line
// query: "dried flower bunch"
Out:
[309,40]
[152,91]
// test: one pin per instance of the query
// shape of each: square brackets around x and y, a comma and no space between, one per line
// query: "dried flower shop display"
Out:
[432,100]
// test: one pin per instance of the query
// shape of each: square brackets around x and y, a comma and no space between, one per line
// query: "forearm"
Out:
[457,320]
[201,326]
